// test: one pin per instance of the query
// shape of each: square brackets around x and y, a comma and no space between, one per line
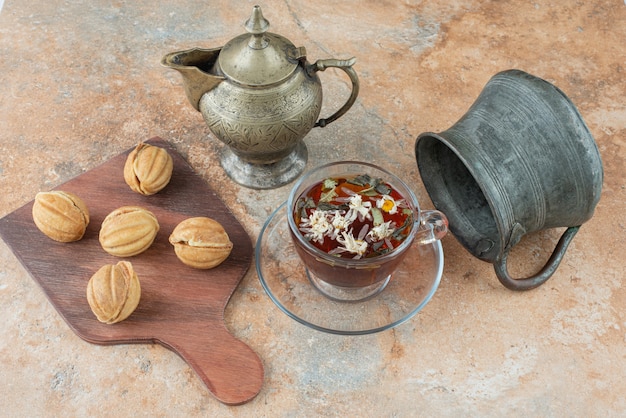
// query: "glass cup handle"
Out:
[433,225]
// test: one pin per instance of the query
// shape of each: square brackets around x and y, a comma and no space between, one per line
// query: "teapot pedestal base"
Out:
[265,176]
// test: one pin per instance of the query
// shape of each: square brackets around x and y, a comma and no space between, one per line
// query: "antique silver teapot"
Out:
[260,96]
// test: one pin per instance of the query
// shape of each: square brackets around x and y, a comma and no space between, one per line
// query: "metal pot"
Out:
[259,95]
[520,160]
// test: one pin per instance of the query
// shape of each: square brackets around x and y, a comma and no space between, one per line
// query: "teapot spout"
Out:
[196,67]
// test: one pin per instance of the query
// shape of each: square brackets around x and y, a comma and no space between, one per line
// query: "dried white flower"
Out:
[358,208]
[315,226]
[387,204]
[339,223]
[381,231]
[351,244]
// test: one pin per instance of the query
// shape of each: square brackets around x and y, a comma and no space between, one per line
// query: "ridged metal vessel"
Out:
[520,160]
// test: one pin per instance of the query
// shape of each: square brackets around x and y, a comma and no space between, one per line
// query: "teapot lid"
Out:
[259,57]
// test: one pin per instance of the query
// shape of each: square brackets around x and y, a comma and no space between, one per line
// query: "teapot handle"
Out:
[544,274]
[346,66]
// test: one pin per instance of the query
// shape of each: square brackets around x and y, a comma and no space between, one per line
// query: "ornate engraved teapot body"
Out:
[260,97]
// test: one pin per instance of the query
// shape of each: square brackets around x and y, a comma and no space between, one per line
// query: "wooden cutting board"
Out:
[181,308]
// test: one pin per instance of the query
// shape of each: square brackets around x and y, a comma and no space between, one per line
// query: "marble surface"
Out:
[82,82]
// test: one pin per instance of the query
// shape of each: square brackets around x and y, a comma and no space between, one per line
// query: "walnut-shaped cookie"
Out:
[113,292]
[148,169]
[201,242]
[60,215]
[128,231]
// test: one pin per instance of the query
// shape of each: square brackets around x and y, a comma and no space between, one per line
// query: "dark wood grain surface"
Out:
[180,308]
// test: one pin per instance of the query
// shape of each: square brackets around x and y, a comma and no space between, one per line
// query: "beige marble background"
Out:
[81,82]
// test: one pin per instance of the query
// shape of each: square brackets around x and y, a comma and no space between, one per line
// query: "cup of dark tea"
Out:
[352,223]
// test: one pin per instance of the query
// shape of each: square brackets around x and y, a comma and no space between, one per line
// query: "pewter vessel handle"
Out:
[346,66]
[544,274]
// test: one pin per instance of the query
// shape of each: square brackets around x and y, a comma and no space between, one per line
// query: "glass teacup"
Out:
[352,223]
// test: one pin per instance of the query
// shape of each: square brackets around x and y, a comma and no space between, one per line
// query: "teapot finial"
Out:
[257,25]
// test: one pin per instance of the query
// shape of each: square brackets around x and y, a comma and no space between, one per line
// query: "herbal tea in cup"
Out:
[352,223]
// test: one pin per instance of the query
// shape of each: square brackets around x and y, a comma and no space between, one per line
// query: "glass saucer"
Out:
[284,278]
